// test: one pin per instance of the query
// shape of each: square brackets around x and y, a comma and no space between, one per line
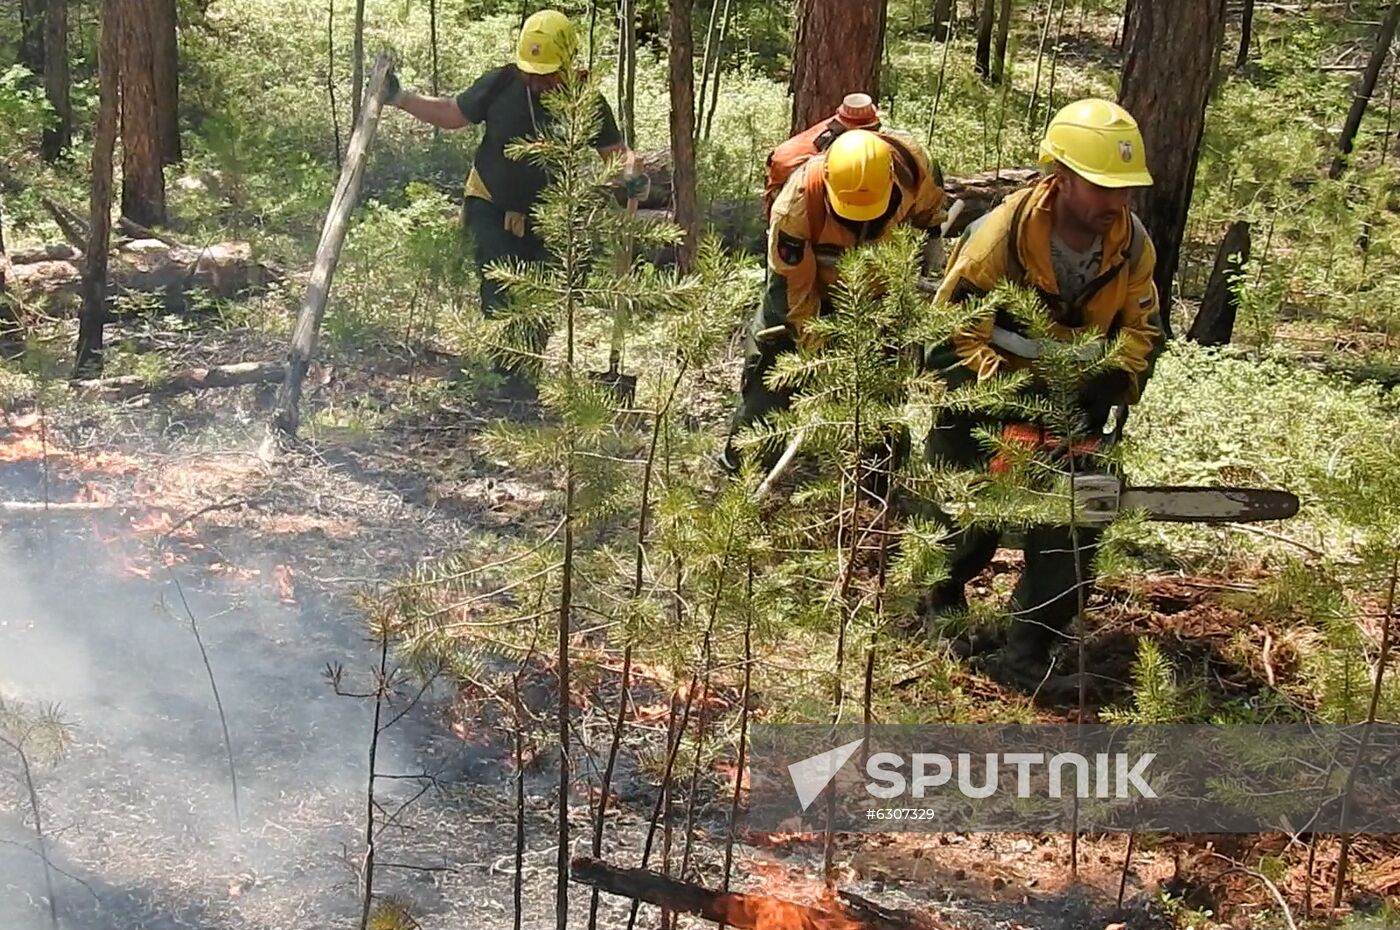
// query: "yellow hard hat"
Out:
[547,41]
[1099,141]
[859,175]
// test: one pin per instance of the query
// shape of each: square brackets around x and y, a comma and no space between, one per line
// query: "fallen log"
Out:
[54,252]
[225,270]
[745,911]
[31,508]
[124,387]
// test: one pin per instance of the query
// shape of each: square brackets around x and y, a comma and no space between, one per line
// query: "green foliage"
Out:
[24,110]
[1158,696]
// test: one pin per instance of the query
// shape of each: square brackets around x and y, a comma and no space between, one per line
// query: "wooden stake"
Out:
[286,417]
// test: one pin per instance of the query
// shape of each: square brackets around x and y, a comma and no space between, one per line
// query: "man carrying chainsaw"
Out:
[1073,239]
[859,190]
[501,191]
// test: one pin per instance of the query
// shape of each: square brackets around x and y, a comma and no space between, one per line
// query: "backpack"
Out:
[784,160]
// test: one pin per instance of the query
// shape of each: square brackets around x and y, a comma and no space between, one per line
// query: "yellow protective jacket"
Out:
[806,239]
[1013,243]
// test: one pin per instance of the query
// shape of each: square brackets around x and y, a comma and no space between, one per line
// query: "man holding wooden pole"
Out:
[500,191]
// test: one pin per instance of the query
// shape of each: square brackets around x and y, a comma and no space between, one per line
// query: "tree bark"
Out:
[1171,52]
[57,84]
[1003,34]
[682,81]
[836,51]
[94,313]
[286,416]
[1246,34]
[31,28]
[985,22]
[627,69]
[7,310]
[1215,321]
[166,68]
[357,63]
[1364,91]
[943,12]
[143,174]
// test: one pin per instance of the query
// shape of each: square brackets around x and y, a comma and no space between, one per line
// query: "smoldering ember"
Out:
[660,463]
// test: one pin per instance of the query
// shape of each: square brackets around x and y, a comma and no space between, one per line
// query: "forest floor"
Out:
[277,564]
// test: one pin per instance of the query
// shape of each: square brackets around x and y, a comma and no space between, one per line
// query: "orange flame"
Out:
[282,581]
[156,522]
[752,912]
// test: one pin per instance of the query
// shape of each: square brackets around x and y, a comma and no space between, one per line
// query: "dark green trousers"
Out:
[493,242]
[756,399]
[1046,598]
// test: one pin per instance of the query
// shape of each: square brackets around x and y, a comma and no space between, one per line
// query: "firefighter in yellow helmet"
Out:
[1073,239]
[859,190]
[500,191]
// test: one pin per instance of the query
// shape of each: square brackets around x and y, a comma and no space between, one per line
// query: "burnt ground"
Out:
[273,561]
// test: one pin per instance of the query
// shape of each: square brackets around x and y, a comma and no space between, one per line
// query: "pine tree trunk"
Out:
[1246,34]
[1003,34]
[943,12]
[31,28]
[985,22]
[682,81]
[57,84]
[143,175]
[357,63]
[166,67]
[1364,91]
[7,310]
[433,43]
[836,51]
[1171,51]
[104,136]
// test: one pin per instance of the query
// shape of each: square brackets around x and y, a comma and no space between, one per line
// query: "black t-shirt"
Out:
[511,113]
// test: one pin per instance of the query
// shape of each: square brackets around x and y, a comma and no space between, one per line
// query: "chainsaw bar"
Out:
[1101,499]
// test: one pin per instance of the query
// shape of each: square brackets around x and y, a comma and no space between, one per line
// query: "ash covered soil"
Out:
[138,816]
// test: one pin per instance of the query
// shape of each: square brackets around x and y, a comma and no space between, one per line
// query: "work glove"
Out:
[636,186]
[1099,394]
[393,91]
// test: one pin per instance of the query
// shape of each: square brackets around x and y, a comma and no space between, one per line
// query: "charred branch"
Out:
[745,911]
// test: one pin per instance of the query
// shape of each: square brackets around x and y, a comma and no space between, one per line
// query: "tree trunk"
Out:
[357,63]
[1003,33]
[682,81]
[143,174]
[166,68]
[58,137]
[836,51]
[985,22]
[286,416]
[1171,51]
[1364,91]
[1215,321]
[7,310]
[1246,34]
[31,28]
[433,44]
[104,135]
[943,13]
[627,69]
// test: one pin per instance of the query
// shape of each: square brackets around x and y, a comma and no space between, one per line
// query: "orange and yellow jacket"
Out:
[806,239]
[1012,243]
